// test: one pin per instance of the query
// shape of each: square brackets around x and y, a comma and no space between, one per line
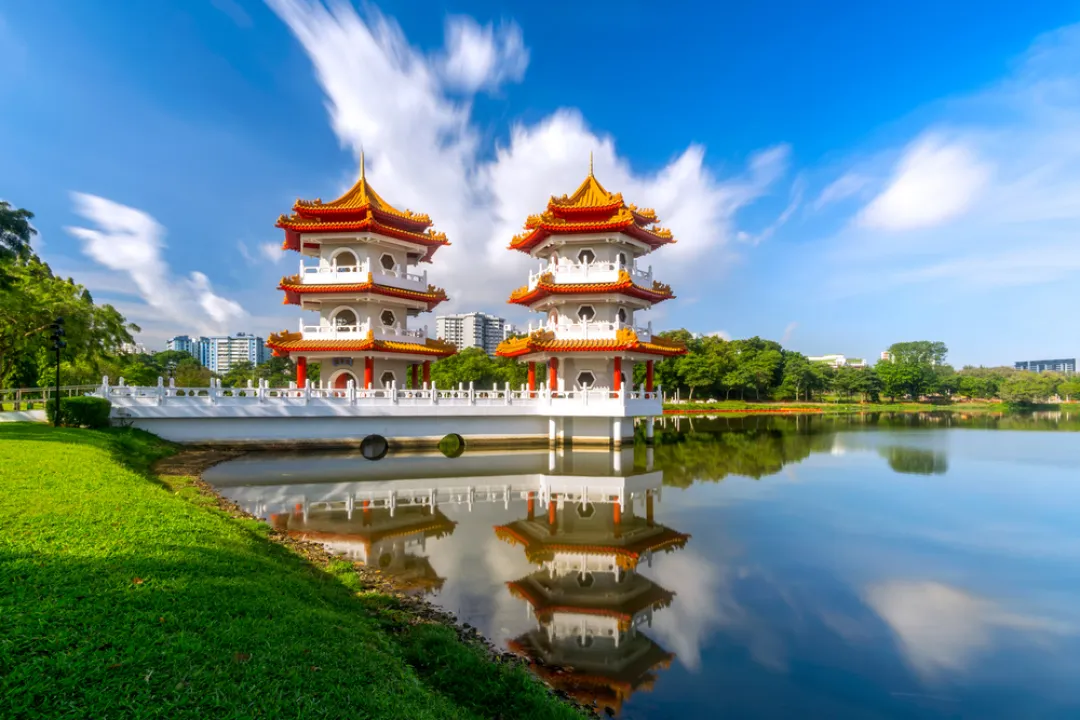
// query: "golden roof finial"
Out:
[361,163]
[590,163]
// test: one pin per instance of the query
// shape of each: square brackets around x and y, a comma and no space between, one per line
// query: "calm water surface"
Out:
[870,567]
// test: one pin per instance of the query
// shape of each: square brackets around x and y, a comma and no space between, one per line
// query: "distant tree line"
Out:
[757,369]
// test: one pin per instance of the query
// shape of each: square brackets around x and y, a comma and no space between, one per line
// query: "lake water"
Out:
[766,567]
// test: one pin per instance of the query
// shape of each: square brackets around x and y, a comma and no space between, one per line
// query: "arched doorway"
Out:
[342,381]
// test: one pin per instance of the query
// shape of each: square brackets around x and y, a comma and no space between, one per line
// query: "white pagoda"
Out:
[591,291]
[363,280]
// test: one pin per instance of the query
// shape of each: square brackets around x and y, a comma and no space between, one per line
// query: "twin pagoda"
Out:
[359,271]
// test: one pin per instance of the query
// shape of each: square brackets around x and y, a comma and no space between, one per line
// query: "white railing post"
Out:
[434,393]
[105,386]
[212,392]
[350,389]
[160,390]
[472,395]
[307,393]
[393,392]
[506,398]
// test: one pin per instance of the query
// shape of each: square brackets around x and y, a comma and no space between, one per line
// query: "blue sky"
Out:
[839,178]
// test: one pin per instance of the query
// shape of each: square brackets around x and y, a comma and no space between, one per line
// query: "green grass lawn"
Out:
[125,595]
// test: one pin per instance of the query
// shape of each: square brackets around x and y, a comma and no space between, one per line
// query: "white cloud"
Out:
[934,181]
[722,334]
[263,252]
[941,628]
[482,57]
[423,152]
[847,185]
[130,241]
[272,252]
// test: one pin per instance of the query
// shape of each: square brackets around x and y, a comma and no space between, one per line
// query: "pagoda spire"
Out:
[590,165]
[362,175]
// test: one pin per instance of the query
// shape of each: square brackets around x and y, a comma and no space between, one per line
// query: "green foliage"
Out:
[1069,389]
[89,412]
[30,299]
[915,461]
[128,595]
[1028,388]
[920,352]
[473,365]
[15,234]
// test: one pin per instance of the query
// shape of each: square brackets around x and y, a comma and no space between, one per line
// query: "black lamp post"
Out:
[58,345]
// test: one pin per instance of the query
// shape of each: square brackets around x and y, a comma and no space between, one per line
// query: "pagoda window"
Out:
[586,313]
[345,318]
[586,380]
[622,316]
[345,259]
[388,318]
[586,256]
[586,580]
[387,261]
[387,379]
[586,512]
[622,260]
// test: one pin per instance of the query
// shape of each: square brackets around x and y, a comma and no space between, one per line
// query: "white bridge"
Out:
[262,415]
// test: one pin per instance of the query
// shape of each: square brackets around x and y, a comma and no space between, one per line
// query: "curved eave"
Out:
[545,290]
[320,213]
[284,348]
[538,343]
[294,291]
[295,228]
[539,550]
[439,527]
[542,231]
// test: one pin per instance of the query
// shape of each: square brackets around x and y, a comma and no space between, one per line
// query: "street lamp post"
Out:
[58,345]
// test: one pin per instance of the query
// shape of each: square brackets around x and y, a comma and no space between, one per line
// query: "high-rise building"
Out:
[474,329]
[221,352]
[1065,365]
[838,361]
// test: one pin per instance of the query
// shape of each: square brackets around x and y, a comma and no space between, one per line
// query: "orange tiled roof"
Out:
[287,342]
[591,208]
[360,209]
[626,340]
[294,289]
[627,556]
[624,611]
[624,285]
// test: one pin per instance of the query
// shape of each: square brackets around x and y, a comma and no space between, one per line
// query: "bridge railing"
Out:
[37,398]
[123,394]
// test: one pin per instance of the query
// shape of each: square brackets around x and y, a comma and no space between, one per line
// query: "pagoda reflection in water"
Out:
[587,597]
[380,537]
[587,526]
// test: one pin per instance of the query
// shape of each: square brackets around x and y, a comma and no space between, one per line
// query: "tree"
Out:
[798,376]
[239,374]
[1027,388]
[1070,389]
[844,381]
[32,298]
[867,384]
[473,365]
[15,234]
[919,352]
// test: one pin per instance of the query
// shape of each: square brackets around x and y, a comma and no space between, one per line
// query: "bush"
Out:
[91,412]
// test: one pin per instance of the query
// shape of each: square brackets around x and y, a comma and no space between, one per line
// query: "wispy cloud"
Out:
[130,241]
[482,57]
[424,151]
[934,181]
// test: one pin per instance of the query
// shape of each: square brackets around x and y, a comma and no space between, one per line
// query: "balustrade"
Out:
[360,331]
[592,330]
[328,274]
[567,271]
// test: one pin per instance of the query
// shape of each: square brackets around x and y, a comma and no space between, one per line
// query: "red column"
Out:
[427,372]
[531,505]
[553,374]
[649,509]
[551,514]
[532,376]
[301,371]
[369,372]
[616,382]
[649,376]
[366,505]
[616,511]
[415,376]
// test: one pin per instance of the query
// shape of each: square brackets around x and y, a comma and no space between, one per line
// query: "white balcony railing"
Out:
[593,330]
[359,332]
[567,272]
[320,274]
[123,395]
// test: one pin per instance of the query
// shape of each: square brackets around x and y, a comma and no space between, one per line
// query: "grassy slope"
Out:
[123,596]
